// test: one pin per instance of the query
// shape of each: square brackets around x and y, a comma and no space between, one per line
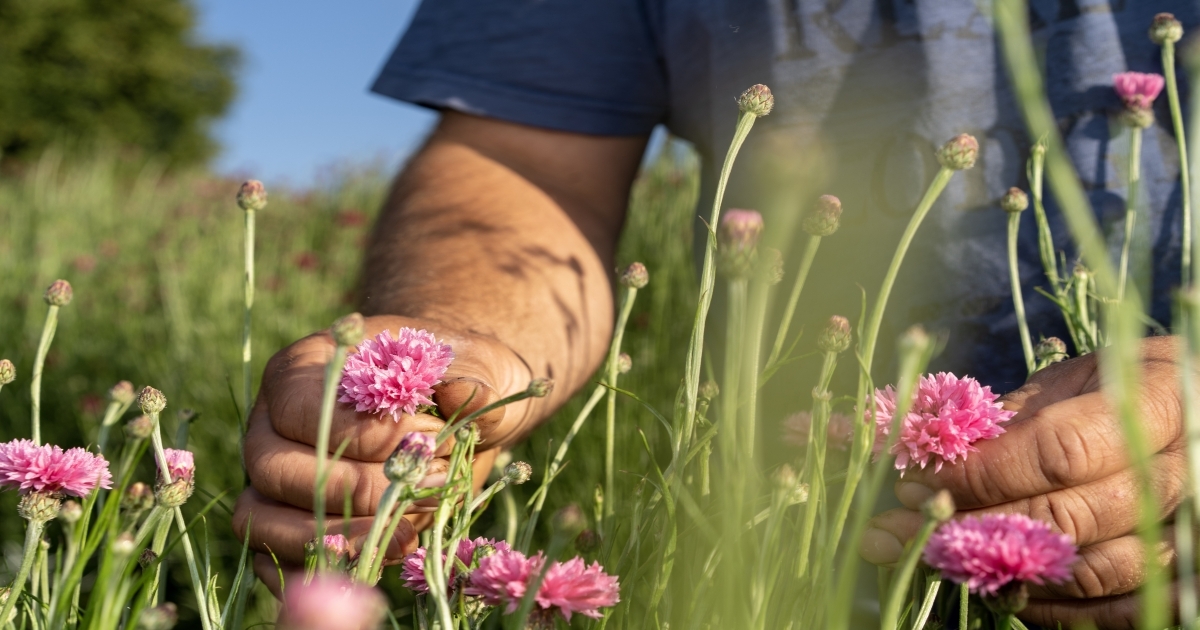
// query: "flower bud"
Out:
[785,478]
[122,393]
[825,218]
[1165,28]
[709,390]
[1014,201]
[569,521]
[588,541]
[151,401]
[756,100]
[737,241]
[1010,599]
[138,497]
[959,153]
[1050,350]
[410,461]
[336,547]
[349,330]
[252,195]
[635,275]
[71,511]
[8,372]
[146,558]
[124,545]
[39,507]
[139,428]
[624,363]
[517,473]
[914,340]
[161,617]
[174,494]
[1137,117]
[940,507]
[836,336]
[58,293]
[541,387]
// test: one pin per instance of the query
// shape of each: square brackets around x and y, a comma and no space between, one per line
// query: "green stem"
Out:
[1014,276]
[1135,176]
[1187,256]
[510,517]
[814,461]
[39,362]
[931,592]
[248,285]
[33,538]
[730,397]
[328,397]
[752,341]
[157,544]
[810,253]
[964,605]
[371,546]
[890,616]
[610,433]
[1004,622]
[193,570]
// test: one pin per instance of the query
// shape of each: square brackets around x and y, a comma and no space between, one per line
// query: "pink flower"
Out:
[28,467]
[181,464]
[990,551]
[574,587]
[331,602]
[412,570]
[797,426]
[501,578]
[388,376]
[336,545]
[1137,89]
[948,415]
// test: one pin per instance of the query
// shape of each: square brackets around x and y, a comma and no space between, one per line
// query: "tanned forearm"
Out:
[508,232]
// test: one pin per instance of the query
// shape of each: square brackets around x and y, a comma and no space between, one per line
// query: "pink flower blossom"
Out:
[393,375]
[412,570]
[990,551]
[948,415]
[797,426]
[574,587]
[181,464]
[331,602]
[28,467]
[1137,89]
[336,545]
[502,578]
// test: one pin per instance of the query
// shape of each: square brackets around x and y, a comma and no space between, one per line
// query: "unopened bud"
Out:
[737,241]
[161,617]
[1165,28]
[58,293]
[39,507]
[635,275]
[588,541]
[124,545]
[785,478]
[151,401]
[138,497]
[1014,201]
[825,218]
[139,428]
[836,336]
[959,153]
[147,557]
[8,372]
[252,195]
[569,521]
[940,507]
[624,363]
[1010,599]
[122,393]
[756,100]
[541,387]
[349,330]
[174,494]
[1137,117]
[1050,350]
[410,461]
[709,390]
[517,473]
[71,511]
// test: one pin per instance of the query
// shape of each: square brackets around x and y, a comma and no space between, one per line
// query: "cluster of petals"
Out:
[988,552]
[947,416]
[797,426]
[331,602]
[1137,89]
[27,467]
[336,544]
[568,588]
[390,375]
[412,570]
[181,464]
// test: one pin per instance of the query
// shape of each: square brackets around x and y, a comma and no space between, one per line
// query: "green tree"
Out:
[130,73]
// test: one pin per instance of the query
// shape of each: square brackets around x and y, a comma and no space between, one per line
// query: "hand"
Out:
[281,461]
[1063,460]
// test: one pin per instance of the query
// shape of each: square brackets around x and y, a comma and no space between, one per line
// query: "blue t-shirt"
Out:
[865,90]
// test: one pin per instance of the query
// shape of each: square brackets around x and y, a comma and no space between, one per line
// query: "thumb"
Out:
[460,397]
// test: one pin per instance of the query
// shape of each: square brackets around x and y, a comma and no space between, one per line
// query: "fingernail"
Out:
[880,547]
[913,495]
[433,480]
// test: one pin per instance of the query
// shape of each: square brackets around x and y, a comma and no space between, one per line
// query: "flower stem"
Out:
[890,615]
[810,253]
[193,570]
[248,285]
[610,427]
[814,460]
[1187,256]
[33,539]
[1135,177]
[964,605]
[39,362]
[328,397]
[371,546]
[931,592]
[752,353]
[1014,276]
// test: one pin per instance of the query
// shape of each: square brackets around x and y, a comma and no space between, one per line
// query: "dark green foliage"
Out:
[128,73]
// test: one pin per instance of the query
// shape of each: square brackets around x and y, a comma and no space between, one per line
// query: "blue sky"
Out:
[303,103]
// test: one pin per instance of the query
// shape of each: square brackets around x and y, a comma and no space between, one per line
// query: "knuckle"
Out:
[1064,456]
[1093,577]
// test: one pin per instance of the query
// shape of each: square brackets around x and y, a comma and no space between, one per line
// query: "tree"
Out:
[128,72]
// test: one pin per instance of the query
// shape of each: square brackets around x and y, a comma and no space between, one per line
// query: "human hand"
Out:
[281,460]
[1064,460]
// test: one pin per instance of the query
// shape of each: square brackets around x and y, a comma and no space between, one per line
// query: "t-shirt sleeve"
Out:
[586,66]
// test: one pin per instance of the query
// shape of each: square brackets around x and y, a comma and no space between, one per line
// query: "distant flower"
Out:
[27,467]
[331,602]
[1137,89]
[501,578]
[306,261]
[392,375]
[181,464]
[350,217]
[412,570]
[574,587]
[91,404]
[84,263]
[797,426]
[948,415]
[989,552]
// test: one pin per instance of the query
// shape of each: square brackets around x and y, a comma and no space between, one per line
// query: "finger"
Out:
[283,530]
[1091,513]
[1052,384]
[286,471]
[1113,567]
[1062,445]
[1119,612]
